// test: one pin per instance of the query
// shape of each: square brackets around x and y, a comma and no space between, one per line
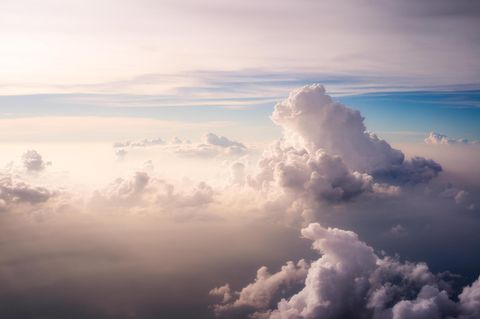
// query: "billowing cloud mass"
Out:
[314,176]
[312,120]
[140,143]
[440,139]
[33,161]
[350,281]
[326,154]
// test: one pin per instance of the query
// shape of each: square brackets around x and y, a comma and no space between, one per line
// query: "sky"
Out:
[240,159]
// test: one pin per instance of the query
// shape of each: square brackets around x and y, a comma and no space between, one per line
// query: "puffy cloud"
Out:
[314,176]
[350,281]
[222,141]
[14,191]
[264,292]
[312,120]
[311,116]
[327,156]
[33,161]
[143,193]
[470,301]
[440,139]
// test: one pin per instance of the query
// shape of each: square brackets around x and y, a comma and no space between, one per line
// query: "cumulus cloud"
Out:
[313,176]
[440,139]
[14,191]
[211,145]
[262,294]
[143,193]
[327,156]
[350,281]
[313,120]
[33,161]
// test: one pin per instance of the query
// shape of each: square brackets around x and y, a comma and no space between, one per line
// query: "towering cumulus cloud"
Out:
[351,281]
[327,154]
[312,117]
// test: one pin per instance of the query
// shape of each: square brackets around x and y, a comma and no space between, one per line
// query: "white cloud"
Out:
[440,139]
[264,291]
[327,156]
[312,176]
[350,281]
[312,120]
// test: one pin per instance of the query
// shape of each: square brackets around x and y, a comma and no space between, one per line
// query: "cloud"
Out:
[350,281]
[313,176]
[311,119]
[145,194]
[211,145]
[395,205]
[14,191]
[261,294]
[415,171]
[440,139]
[327,156]
[120,153]
[33,161]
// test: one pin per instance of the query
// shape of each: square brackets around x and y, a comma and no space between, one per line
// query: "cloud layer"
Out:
[350,281]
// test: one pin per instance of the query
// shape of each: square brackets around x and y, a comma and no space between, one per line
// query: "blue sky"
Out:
[396,116]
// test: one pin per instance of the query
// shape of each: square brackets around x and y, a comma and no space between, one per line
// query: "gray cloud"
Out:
[14,191]
[262,294]
[33,161]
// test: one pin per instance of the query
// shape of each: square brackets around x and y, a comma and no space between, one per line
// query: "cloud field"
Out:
[167,227]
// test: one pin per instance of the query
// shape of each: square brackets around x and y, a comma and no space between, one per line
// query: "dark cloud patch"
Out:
[33,161]
[14,191]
